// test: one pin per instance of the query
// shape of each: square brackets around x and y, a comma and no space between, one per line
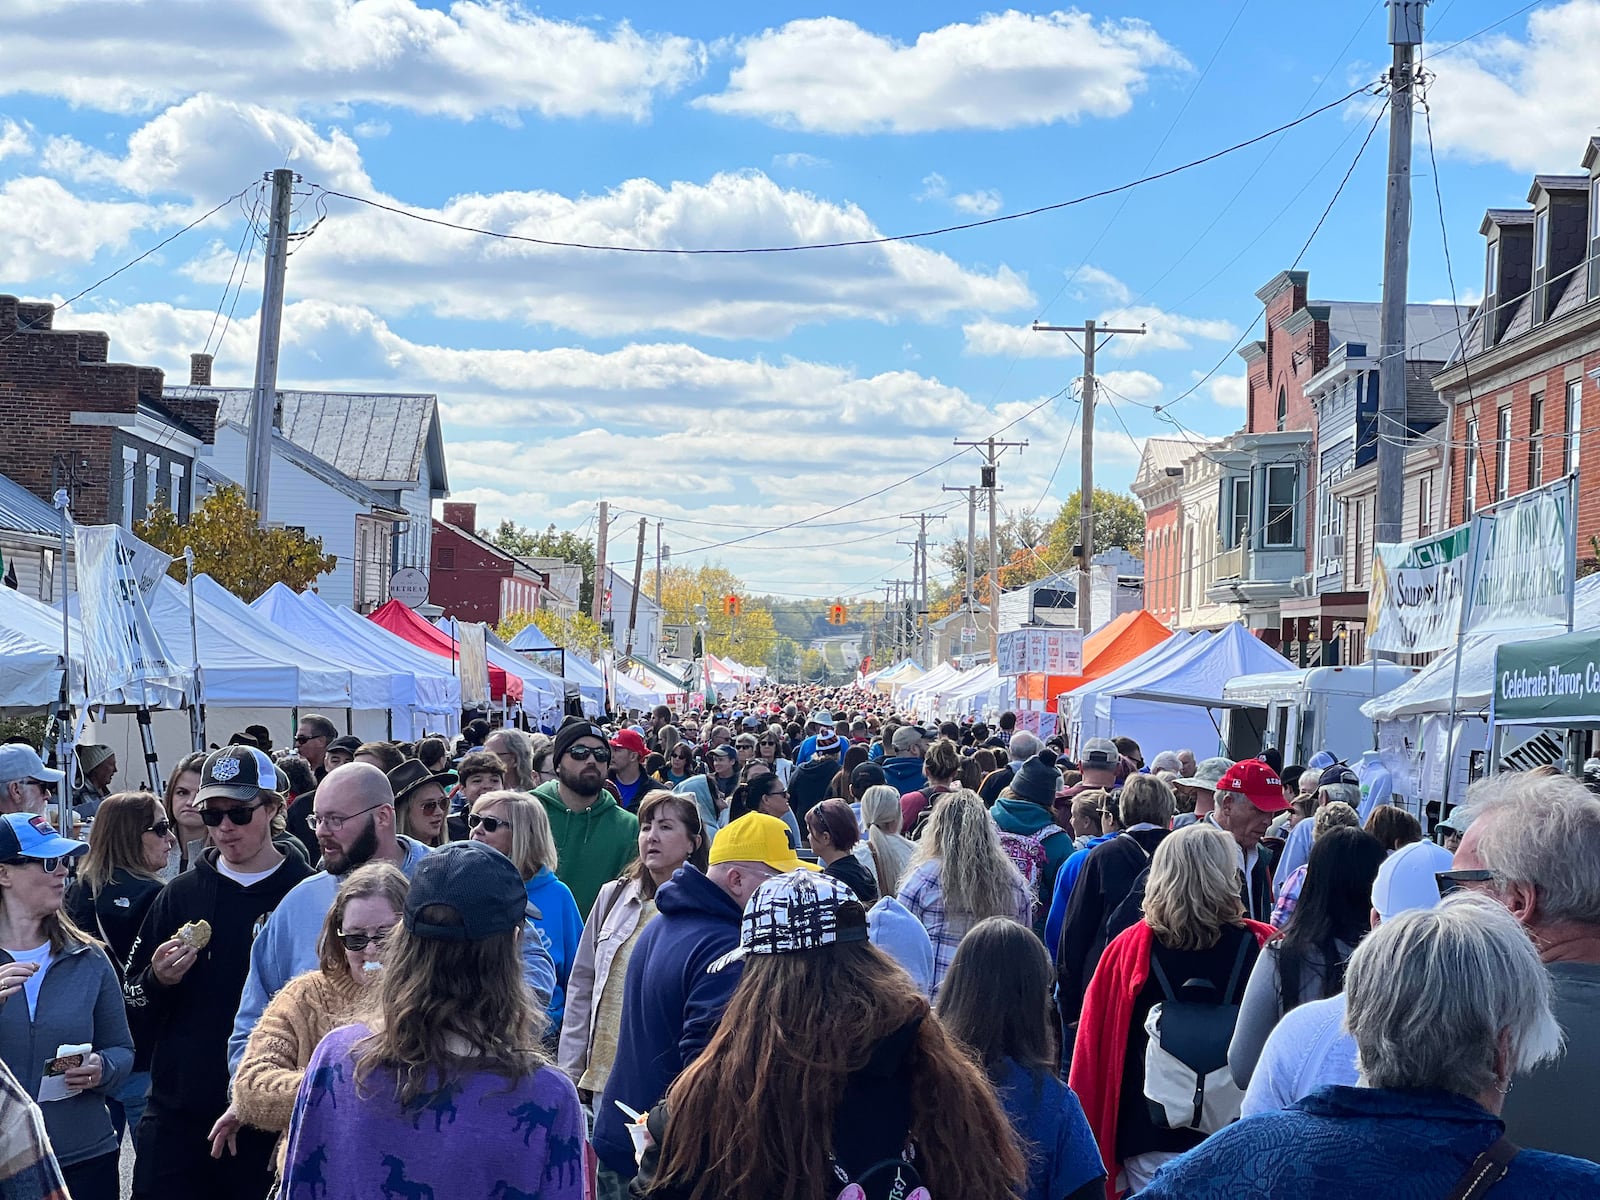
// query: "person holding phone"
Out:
[58,988]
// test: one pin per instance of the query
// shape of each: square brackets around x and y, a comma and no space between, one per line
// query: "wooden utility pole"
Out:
[598,601]
[638,580]
[264,393]
[992,448]
[1091,332]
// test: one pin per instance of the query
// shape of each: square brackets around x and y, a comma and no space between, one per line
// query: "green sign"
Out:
[1553,681]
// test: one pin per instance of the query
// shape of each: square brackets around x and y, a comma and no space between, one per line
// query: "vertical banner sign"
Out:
[1523,568]
[1041,651]
[1415,602]
[124,659]
[474,665]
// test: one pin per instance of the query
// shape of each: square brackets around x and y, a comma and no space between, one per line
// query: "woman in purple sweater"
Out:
[444,1090]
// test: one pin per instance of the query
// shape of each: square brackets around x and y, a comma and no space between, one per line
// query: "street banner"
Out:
[1523,563]
[1549,681]
[125,661]
[1041,651]
[474,664]
[1415,601]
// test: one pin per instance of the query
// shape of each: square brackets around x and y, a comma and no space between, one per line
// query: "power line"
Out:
[1486,29]
[555,243]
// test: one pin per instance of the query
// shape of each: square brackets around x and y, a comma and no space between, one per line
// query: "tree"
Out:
[230,546]
[565,545]
[1118,521]
[813,666]
[577,634]
[750,638]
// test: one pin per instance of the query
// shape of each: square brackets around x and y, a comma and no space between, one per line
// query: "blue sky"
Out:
[736,394]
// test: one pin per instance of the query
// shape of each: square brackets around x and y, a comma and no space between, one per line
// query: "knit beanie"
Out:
[1037,780]
[573,729]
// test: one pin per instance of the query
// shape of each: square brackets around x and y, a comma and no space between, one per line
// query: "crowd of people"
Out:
[797,946]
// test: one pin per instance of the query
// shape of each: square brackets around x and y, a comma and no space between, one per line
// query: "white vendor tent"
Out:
[575,668]
[30,653]
[924,693]
[543,694]
[983,692]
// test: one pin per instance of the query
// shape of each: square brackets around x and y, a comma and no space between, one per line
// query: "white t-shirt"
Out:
[240,877]
[43,956]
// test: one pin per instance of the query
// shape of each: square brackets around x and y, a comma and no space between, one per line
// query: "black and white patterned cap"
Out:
[803,910]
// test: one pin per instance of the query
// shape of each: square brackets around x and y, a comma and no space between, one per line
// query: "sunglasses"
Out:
[1454,881]
[487,824]
[300,739]
[160,828]
[431,806]
[240,816]
[358,942]
[585,753]
[49,864]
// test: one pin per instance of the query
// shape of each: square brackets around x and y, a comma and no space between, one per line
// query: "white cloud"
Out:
[997,338]
[14,138]
[48,228]
[982,203]
[1528,102]
[1008,70]
[1229,391]
[374,129]
[797,160]
[1091,279]
[1132,385]
[480,57]
[1163,330]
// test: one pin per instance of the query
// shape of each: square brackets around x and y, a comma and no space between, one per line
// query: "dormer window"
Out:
[1594,239]
[1541,259]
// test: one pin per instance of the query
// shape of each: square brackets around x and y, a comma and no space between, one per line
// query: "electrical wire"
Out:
[554,243]
[1440,53]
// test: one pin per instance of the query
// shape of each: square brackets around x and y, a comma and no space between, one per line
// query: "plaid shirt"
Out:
[28,1167]
[1288,897]
[922,892]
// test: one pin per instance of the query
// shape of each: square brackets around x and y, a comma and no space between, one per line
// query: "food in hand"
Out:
[195,934]
[372,968]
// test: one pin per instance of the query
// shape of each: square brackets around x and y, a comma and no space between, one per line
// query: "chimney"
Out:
[199,370]
[462,514]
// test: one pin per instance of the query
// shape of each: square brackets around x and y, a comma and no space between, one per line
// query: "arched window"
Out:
[1283,407]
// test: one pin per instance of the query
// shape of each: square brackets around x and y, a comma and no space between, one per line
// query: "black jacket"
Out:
[808,785]
[189,1023]
[849,871]
[116,915]
[1109,876]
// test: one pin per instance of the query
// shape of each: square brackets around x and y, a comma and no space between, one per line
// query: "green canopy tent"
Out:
[1548,683]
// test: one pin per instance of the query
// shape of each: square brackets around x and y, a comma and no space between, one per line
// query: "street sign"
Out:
[968,635]
[409,586]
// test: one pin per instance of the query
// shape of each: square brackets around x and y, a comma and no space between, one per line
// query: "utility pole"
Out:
[989,482]
[1091,332]
[658,564]
[638,578]
[1405,33]
[920,585]
[264,395]
[599,599]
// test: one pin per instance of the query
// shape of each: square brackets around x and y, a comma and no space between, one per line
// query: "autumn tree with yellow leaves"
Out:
[230,546]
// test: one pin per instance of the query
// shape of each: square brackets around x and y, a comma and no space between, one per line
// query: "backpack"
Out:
[1027,853]
[1187,1082]
[891,1179]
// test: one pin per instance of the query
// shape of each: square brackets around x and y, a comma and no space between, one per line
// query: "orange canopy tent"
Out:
[1104,650]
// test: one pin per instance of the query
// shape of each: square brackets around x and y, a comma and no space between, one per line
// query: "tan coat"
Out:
[613,919]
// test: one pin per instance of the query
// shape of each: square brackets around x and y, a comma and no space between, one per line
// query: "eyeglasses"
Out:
[160,828]
[431,806]
[585,753]
[488,824]
[1454,881]
[357,942]
[50,865]
[768,742]
[241,815]
[332,823]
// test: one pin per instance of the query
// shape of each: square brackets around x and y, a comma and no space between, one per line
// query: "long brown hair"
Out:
[436,994]
[119,828]
[778,1050]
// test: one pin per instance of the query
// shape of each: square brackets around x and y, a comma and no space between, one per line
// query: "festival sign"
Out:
[1523,568]
[1551,681]
[124,659]
[1417,586]
[1041,651]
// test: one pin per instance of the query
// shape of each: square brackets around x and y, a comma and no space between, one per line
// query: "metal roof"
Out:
[376,437]
[1430,328]
[23,512]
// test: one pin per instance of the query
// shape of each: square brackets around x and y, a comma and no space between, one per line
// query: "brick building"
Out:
[1519,392]
[1158,484]
[128,445]
[471,578]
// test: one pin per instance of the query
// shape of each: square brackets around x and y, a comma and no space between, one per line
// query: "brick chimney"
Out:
[462,514]
[199,370]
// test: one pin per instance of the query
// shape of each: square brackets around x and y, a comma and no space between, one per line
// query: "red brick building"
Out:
[1159,485]
[472,579]
[70,411]
[1522,397]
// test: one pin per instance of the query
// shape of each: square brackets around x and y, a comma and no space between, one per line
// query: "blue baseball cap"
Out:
[28,835]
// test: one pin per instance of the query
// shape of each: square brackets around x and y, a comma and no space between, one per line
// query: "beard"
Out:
[362,851]
[586,781]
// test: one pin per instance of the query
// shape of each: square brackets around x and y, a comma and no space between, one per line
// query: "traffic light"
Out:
[738,605]
[732,605]
[836,615]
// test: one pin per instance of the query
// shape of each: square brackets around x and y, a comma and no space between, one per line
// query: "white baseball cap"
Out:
[21,761]
[1406,880]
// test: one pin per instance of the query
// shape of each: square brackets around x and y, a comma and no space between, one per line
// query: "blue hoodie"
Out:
[904,773]
[559,927]
[671,1003]
[1012,814]
[895,930]
[1061,893]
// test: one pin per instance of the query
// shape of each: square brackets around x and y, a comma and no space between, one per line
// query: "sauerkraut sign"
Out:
[1415,603]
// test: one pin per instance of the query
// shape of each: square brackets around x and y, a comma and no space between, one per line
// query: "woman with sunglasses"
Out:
[769,749]
[187,828]
[680,766]
[516,824]
[118,881]
[57,988]
[185,995]
[349,958]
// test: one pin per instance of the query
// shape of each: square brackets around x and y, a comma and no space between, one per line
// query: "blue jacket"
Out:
[904,773]
[559,927]
[671,1003]
[1048,1119]
[1354,1143]
[1014,815]
[1062,891]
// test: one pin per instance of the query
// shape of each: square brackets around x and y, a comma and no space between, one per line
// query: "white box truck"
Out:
[1302,712]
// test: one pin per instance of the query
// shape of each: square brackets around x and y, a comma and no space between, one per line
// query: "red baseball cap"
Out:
[629,739]
[1257,783]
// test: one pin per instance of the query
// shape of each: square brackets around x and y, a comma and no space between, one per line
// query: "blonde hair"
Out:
[381,879]
[976,875]
[1193,889]
[533,845]
[1334,815]
[891,850]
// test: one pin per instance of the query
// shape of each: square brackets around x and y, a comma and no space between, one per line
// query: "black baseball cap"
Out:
[476,882]
[348,742]
[236,773]
[867,774]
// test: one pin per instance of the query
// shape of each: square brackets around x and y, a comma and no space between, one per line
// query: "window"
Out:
[180,493]
[1282,483]
[1469,471]
[447,558]
[1594,239]
[1425,506]
[1493,274]
[152,480]
[1240,513]
[1541,258]
[1571,444]
[130,466]
[1283,408]
[1536,440]
[1358,522]
[1502,453]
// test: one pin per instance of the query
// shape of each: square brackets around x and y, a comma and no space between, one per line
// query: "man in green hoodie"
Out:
[595,838]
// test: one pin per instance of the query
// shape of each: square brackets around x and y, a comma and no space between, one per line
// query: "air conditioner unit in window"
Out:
[1332,546]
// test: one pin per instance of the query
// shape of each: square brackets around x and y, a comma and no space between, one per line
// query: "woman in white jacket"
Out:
[671,833]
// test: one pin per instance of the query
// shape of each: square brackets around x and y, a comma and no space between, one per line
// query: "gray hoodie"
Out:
[80,1001]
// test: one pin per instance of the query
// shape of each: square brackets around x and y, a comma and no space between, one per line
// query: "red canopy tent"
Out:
[403,622]
[1104,650]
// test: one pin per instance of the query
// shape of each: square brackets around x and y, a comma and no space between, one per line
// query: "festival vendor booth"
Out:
[1070,705]
[534,645]
[505,688]
[1550,684]
[30,654]
[1113,645]
[1174,700]
[895,675]
[661,684]
[981,693]
[544,694]
[923,696]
